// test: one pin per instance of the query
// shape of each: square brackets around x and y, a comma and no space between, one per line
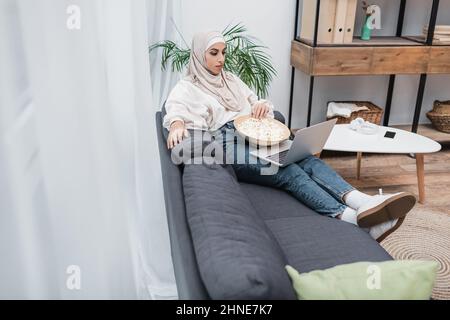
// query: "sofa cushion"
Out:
[238,257]
[272,203]
[318,242]
[308,240]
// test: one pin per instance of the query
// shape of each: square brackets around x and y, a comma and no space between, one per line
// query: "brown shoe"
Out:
[383,208]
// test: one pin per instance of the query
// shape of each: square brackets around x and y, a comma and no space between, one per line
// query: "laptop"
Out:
[308,141]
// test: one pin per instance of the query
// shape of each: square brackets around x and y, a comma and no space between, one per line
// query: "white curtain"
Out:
[165,23]
[82,211]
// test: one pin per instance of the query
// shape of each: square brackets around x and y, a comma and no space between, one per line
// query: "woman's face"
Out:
[215,58]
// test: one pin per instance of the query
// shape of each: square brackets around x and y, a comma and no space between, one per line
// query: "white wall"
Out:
[272,22]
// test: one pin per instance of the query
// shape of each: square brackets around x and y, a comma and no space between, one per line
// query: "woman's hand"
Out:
[260,110]
[177,133]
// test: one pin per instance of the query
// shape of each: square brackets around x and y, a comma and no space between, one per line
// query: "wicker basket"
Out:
[440,115]
[373,115]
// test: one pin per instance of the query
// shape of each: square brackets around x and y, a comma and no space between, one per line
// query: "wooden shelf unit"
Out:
[370,60]
[388,55]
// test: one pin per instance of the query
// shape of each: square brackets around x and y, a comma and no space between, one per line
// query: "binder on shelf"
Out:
[339,22]
[441,34]
[350,20]
[326,20]
[442,29]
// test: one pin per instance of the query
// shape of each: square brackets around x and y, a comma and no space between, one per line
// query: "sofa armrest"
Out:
[279,116]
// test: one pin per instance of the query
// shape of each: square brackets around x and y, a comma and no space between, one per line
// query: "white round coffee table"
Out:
[342,138]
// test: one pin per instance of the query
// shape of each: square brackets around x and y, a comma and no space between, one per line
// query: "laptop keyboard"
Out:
[278,157]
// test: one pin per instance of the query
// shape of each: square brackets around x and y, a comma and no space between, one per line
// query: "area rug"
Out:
[425,235]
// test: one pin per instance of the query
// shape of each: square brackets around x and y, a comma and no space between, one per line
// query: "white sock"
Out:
[349,215]
[355,199]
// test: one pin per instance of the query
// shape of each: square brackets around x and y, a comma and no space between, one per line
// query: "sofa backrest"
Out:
[189,283]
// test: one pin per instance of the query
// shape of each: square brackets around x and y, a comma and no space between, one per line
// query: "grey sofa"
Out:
[303,239]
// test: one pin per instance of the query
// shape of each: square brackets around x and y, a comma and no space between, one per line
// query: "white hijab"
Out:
[223,86]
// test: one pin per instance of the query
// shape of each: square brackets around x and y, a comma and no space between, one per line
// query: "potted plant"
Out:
[245,58]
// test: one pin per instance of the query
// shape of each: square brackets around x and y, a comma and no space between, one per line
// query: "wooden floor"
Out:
[394,173]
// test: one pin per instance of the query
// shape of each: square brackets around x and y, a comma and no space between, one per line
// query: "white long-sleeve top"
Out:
[199,110]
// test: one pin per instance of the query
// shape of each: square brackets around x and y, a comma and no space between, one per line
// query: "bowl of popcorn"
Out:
[262,132]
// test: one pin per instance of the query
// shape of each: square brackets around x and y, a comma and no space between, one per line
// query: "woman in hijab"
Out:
[210,98]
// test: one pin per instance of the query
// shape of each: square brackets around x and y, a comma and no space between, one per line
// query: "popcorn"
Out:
[262,129]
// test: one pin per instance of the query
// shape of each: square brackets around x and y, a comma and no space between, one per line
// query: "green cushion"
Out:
[391,280]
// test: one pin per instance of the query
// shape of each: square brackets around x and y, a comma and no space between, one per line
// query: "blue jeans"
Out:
[310,180]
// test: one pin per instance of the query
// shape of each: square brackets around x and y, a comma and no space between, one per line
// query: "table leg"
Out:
[358,165]
[420,164]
